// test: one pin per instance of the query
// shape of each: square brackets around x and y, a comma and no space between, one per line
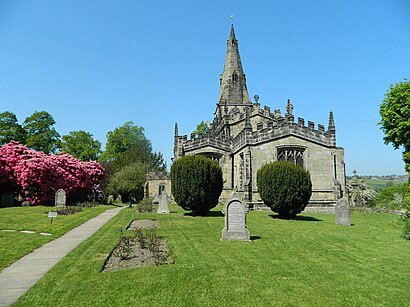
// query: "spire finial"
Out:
[231,20]
[331,121]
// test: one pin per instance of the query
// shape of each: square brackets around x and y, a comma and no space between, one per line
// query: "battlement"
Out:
[157,175]
[196,142]
[283,128]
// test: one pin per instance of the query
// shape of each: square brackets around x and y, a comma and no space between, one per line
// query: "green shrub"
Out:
[393,197]
[145,205]
[128,182]
[405,234]
[196,183]
[284,187]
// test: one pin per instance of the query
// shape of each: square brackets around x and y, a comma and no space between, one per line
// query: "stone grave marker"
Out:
[235,221]
[342,212]
[163,203]
[118,199]
[60,199]
[110,199]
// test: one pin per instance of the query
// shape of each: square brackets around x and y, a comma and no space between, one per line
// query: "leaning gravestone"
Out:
[342,212]
[60,198]
[163,203]
[235,221]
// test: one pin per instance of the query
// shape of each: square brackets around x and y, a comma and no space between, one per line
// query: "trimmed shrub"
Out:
[196,183]
[284,187]
[145,205]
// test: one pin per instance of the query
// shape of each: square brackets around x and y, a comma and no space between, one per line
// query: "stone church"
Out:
[244,136]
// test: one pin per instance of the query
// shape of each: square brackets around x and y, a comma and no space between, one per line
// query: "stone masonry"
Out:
[244,136]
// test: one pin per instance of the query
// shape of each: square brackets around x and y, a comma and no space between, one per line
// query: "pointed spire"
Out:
[176,130]
[233,88]
[331,126]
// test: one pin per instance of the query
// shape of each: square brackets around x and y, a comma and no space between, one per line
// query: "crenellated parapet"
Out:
[284,127]
[196,142]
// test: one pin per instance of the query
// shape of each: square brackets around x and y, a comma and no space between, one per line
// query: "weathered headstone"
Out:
[163,203]
[25,203]
[342,212]
[110,199]
[118,199]
[235,221]
[60,200]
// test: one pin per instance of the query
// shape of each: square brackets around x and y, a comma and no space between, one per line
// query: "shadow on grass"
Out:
[208,214]
[253,238]
[297,218]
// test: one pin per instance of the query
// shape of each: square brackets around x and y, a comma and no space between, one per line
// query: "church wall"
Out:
[318,160]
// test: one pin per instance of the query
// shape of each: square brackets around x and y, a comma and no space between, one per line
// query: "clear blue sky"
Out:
[94,65]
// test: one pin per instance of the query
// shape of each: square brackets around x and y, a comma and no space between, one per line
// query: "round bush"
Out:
[284,187]
[196,183]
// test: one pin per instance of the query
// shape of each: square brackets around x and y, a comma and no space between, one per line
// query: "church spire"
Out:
[233,90]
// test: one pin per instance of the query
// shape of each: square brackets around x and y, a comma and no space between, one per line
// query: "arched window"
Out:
[291,154]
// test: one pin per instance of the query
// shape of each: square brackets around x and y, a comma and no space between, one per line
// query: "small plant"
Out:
[145,205]
[148,239]
[88,204]
[405,234]
[123,250]
[69,210]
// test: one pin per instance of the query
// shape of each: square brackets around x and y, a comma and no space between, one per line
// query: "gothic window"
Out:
[291,154]
[234,77]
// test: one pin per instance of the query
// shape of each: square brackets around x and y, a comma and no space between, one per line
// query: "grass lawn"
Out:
[305,262]
[14,245]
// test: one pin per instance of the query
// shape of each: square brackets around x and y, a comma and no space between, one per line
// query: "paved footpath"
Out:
[16,279]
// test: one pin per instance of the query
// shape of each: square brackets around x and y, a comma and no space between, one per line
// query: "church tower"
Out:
[233,91]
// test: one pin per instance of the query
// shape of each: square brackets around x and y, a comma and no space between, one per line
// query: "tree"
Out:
[81,145]
[201,128]
[395,114]
[196,183]
[129,182]
[122,139]
[10,129]
[41,135]
[284,187]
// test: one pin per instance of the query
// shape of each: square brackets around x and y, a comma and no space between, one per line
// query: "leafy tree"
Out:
[395,114]
[393,197]
[10,129]
[128,182]
[41,135]
[201,128]
[284,187]
[196,183]
[81,145]
[122,139]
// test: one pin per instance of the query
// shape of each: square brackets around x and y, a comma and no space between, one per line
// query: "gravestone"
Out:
[163,203]
[118,199]
[342,212]
[60,198]
[110,199]
[235,221]
[25,203]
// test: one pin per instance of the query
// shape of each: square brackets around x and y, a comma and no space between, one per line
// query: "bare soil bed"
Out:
[146,249]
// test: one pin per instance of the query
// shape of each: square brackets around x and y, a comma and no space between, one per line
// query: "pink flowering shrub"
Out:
[37,176]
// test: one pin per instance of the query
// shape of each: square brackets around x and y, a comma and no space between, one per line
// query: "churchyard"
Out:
[306,261]
[23,229]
